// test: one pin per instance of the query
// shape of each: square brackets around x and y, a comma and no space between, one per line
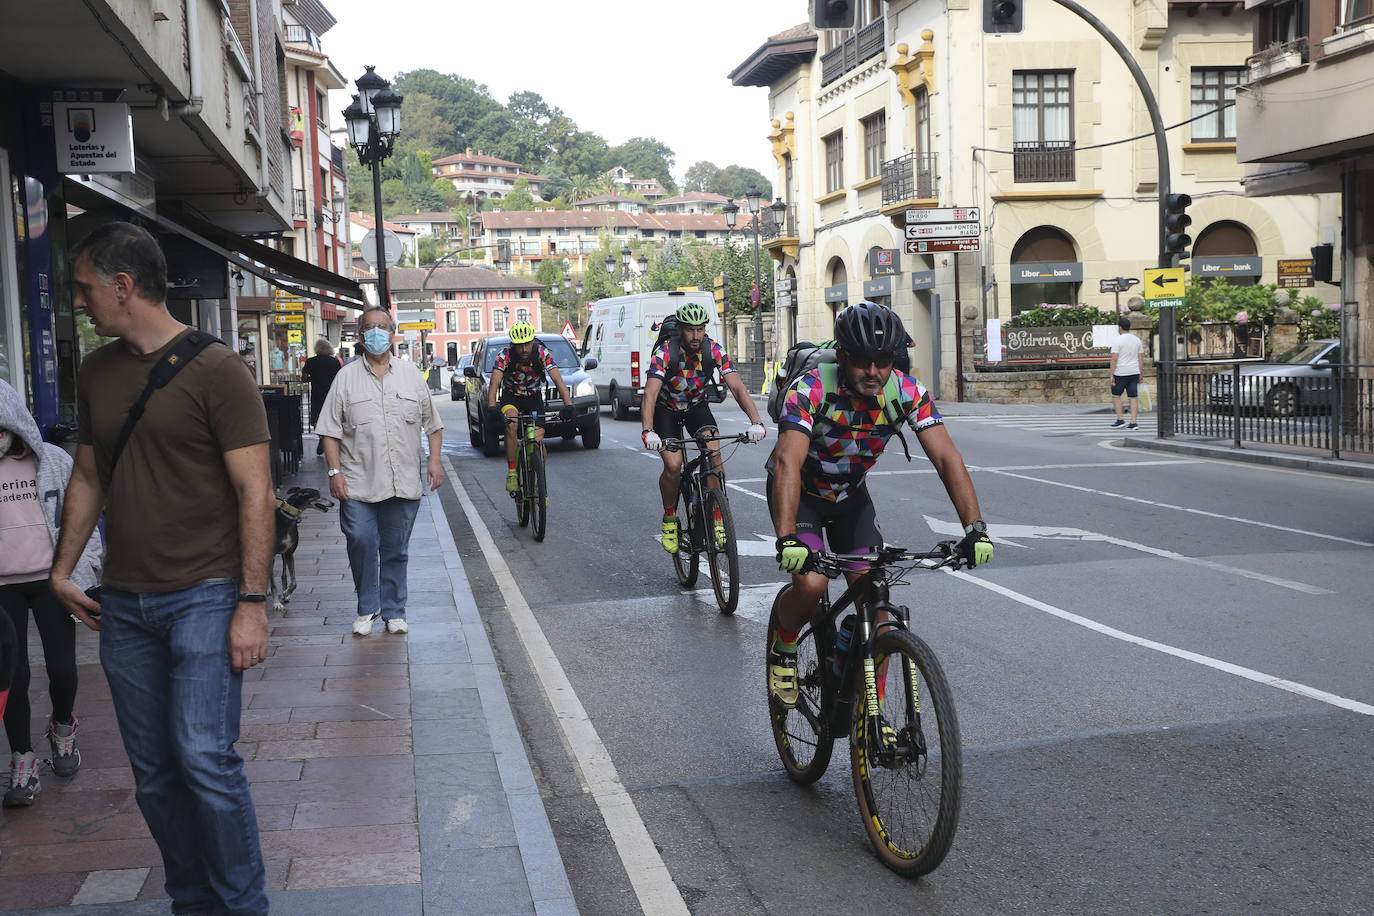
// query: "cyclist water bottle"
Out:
[842,635]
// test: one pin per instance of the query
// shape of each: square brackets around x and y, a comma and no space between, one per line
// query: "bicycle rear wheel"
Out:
[522,489]
[722,553]
[539,493]
[688,544]
[908,793]
[804,744]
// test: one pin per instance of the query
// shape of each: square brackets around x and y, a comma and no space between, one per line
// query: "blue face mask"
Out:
[377,341]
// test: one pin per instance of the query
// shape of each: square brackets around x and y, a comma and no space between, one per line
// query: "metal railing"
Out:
[911,177]
[301,35]
[336,155]
[854,50]
[770,227]
[1043,160]
[1330,411]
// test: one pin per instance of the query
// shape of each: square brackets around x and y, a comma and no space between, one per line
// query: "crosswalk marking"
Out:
[1059,424]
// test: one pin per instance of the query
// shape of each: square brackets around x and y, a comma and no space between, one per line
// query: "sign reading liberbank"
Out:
[1228,267]
[1048,272]
[93,137]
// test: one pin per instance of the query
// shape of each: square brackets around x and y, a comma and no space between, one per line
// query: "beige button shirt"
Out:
[378,422]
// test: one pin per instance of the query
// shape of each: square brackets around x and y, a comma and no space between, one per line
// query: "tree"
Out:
[425,126]
[461,102]
[519,197]
[734,180]
[578,152]
[701,176]
[646,157]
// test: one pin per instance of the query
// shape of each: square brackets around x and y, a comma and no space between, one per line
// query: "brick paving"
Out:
[387,771]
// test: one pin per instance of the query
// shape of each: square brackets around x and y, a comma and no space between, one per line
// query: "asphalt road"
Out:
[1162,681]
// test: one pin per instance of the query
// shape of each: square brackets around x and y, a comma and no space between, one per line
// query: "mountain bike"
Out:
[531,492]
[886,690]
[701,497]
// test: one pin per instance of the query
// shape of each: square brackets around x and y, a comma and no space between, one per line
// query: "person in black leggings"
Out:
[58,634]
[6,659]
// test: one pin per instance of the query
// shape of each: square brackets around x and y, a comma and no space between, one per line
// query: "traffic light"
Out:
[1001,16]
[720,293]
[1323,262]
[1176,223]
[832,14]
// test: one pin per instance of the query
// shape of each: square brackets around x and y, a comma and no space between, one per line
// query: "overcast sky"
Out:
[656,69]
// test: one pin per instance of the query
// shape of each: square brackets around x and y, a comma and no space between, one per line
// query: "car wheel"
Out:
[453,395]
[591,436]
[1282,401]
[619,409]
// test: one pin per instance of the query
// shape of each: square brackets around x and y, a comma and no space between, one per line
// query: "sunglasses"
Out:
[864,360]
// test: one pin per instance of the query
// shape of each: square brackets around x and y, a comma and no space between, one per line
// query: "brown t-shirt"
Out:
[171,514]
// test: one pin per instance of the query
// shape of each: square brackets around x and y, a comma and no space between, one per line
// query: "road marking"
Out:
[649,876]
[1205,660]
[1008,532]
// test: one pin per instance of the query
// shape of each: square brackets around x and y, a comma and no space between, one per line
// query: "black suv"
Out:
[485,424]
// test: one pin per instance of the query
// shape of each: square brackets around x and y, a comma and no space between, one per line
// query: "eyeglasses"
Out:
[864,360]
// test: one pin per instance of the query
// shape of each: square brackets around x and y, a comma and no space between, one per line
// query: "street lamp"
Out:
[625,266]
[374,120]
[753,195]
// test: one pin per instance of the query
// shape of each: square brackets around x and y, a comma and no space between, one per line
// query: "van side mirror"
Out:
[589,362]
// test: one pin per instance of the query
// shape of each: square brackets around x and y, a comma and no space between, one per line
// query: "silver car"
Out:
[1296,381]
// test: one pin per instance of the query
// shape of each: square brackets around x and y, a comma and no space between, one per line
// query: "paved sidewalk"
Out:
[388,772]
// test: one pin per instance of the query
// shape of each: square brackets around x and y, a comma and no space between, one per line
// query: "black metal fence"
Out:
[1330,410]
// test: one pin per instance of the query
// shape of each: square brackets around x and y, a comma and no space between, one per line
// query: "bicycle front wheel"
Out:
[522,487]
[722,553]
[539,493]
[804,743]
[688,549]
[908,787]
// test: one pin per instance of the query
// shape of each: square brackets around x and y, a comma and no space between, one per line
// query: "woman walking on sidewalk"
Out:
[33,477]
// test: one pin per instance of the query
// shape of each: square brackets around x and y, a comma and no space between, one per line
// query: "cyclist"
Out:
[827,441]
[518,377]
[675,397]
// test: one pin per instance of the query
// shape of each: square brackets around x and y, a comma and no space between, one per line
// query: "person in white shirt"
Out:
[1126,370]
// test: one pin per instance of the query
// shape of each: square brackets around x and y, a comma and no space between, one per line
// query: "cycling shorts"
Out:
[849,526]
[533,403]
[669,423]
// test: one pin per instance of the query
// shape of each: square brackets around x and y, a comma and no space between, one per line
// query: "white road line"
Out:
[653,884]
[1248,673]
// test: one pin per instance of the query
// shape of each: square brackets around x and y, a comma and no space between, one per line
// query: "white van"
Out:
[621,333]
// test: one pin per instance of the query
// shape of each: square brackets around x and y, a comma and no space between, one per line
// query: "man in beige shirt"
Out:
[370,425]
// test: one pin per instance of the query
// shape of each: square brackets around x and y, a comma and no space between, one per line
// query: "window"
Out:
[451,322]
[498,319]
[1213,87]
[700,233]
[1287,21]
[474,320]
[448,294]
[532,233]
[1042,125]
[923,121]
[1357,11]
[522,315]
[476,294]
[834,161]
[875,140]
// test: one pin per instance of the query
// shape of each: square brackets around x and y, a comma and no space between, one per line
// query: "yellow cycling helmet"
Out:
[521,332]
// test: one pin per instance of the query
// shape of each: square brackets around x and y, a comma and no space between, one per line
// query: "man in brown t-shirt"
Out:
[188,509]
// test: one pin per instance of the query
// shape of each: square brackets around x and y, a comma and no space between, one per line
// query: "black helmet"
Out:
[867,327]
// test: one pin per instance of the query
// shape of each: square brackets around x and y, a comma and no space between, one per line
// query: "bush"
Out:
[1046,315]
[1317,319]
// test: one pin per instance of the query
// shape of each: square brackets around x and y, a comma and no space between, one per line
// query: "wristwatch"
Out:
[978,527]
[253,597]
[333,471]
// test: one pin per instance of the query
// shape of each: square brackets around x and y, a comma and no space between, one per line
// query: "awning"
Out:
[277,268]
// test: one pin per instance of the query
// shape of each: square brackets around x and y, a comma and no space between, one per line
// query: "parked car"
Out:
[485,425]
[1295,381]
[458,384]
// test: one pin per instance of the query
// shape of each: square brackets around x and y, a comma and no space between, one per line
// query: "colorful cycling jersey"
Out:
[524,379]
[848,438]
[688,386]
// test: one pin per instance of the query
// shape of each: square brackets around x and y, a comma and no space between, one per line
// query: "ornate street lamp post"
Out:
[374,120]
[753,195]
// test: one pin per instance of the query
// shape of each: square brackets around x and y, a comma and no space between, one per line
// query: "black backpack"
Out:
[667,331]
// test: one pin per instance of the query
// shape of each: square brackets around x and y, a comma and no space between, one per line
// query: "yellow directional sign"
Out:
[1163,283]
[288,319]
[415,326]
[294,336]
[288,305]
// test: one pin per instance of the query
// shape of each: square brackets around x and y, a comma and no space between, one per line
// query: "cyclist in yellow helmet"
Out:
[675,397]
[518,377]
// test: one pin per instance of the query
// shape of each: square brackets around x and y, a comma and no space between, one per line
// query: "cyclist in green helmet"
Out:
[675,398]
[518,377]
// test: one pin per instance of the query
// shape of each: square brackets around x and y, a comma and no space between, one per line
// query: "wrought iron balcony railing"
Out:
[1043,160]
[770,227]
[854,50]
[910,177]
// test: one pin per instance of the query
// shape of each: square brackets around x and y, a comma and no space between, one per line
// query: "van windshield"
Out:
[559,348]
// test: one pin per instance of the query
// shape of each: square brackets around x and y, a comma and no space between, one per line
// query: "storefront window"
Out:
[249,345]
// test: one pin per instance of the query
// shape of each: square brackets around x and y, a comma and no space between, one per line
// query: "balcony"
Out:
[867,42]
[301,35]
[780,237]
[336,156]
[1043,160]
[1279,57]
[910,178]
[298,211]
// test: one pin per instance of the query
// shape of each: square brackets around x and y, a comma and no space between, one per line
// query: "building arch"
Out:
[1042,246]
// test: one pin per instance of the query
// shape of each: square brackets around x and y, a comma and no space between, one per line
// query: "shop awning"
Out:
[293,275]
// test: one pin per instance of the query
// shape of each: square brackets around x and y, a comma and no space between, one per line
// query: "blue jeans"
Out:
[378,539]
[166,657]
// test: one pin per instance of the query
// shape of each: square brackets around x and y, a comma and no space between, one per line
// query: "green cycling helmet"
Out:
[521,332]
[692,313]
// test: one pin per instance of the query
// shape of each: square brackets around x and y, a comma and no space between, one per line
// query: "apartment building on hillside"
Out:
[481,177]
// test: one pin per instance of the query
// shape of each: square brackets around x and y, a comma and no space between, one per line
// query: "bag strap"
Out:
[162,372]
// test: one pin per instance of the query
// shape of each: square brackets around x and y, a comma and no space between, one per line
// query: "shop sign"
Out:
[879,287]
[93,137]
[1047,272]
[1051,345]
[922,279]
[883,262]
[837,293]
[1296,273]
[1227,267]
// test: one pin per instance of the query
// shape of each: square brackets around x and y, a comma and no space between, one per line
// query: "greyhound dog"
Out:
[289,511]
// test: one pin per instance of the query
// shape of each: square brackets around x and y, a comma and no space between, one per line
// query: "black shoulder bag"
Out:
[163,372]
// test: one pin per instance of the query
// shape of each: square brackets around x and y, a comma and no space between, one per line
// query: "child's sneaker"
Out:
[66,757]
[23,780]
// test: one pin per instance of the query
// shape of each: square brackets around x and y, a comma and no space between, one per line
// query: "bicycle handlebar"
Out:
[677,445]
[834,565]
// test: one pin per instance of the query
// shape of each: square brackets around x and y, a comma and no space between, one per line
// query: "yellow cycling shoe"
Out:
[512,483]
[670,533]
[782,678]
